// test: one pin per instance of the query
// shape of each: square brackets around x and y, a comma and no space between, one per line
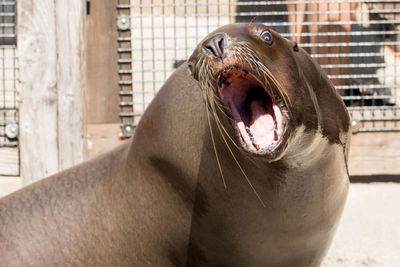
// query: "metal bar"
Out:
[351,33]
[372,54]
[366,86]
[13,3]
[366,97]
[379,119]
[124,61]
[125,93]
[124,50]
[8,143]
[129,114]
[349,76]
[360,65]
[369,108]
[348,44]
[142,56]
[257,3]
[355,33]
[375,130]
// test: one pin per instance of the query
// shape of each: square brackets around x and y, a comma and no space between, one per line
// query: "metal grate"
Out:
[125,68]
[356,42]
[9,149]
[8,75]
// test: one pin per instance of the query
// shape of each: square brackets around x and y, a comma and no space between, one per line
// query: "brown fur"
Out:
[159,200]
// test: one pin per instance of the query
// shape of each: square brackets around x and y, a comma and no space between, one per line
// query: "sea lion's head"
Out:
[265,84]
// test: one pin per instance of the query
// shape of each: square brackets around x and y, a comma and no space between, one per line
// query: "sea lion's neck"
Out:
[173,126]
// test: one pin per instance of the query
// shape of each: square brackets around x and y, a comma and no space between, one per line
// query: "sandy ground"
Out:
[369,232]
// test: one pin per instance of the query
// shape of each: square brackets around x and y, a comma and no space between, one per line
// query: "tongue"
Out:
[262,123]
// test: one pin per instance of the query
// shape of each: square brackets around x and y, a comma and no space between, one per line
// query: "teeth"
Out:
[253,141]
[275,135]
[249,132]
[256,146]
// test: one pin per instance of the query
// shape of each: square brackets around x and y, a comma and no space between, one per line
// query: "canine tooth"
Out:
[275,135]
[249,132]
[256,146]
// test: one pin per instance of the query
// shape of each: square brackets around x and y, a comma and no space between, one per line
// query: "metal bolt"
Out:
[127,130]
[11,131]
[355,126]
[123,23]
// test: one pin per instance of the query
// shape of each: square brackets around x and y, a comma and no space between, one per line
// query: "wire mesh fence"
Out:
[9,150]
[8,75]
[357,43]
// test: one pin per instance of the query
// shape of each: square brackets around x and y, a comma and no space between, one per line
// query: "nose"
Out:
[216,45]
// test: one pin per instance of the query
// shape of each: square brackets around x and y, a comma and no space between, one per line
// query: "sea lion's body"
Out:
[160,200]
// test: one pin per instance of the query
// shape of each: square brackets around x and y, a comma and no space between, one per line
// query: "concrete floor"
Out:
[369,232]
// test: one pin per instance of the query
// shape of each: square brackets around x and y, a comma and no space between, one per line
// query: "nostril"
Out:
[216,45]
[211,49]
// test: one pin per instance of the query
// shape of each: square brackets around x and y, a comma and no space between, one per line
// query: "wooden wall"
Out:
[102,77]
[102,62]
[375,154]
[52,85]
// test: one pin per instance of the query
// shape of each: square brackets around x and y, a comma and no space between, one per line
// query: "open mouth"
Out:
[258,116]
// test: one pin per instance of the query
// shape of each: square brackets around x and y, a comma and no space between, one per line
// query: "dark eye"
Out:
[266,36]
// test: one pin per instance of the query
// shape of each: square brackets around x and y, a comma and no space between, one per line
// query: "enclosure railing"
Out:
[357,43]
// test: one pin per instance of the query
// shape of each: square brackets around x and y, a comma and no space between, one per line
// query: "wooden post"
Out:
[102,63]
[52,84]
[71,81]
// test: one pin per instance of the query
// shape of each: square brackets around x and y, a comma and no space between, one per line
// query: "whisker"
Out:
[214,146]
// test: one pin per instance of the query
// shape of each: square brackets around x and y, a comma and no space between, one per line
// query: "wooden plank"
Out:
[38,89]
[9,161]
[102,138]
[375,153]
[102,62]
[71,81]
[51,82]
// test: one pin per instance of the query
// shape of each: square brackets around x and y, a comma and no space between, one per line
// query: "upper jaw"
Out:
[259,116]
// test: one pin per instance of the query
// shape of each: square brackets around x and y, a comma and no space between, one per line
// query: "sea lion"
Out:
[240,160]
